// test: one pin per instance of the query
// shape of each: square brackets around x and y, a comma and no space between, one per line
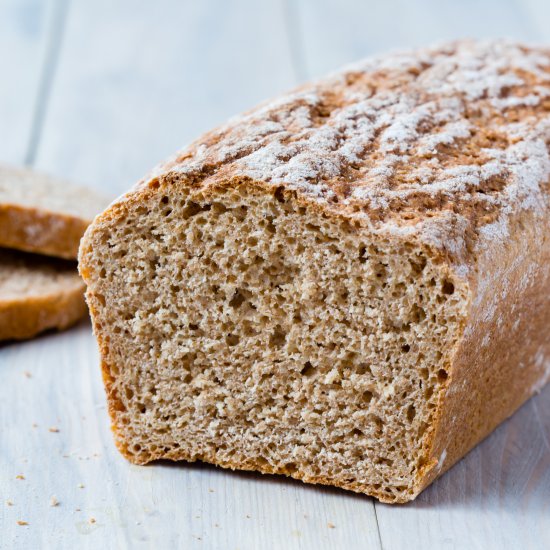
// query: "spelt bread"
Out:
[42,214]
[348,285]
[37,294]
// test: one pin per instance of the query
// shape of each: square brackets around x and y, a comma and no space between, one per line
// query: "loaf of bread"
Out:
[37,294]
[42,214]
[348,285]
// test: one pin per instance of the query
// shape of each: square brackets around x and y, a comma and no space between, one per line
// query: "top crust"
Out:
[442,144]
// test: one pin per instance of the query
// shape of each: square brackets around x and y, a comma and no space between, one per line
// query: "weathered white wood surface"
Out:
[26,43]
[137,80]
[100,91]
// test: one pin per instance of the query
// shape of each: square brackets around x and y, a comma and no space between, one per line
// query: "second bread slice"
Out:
[37,294]
[42,214]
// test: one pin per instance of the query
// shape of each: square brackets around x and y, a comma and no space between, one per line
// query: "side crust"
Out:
[42,232]
[23,319]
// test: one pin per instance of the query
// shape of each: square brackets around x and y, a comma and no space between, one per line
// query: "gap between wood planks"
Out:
[377,525]
[55,34]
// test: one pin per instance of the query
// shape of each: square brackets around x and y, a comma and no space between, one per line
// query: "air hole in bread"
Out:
[448,287]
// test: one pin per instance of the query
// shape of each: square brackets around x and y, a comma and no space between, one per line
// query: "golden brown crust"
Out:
[26,319]
[52,234]
[251,465]
[37,294]
[504,355]
[44,215]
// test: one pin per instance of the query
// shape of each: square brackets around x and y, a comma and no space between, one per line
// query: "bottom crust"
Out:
[37,294]
[251,465]
[26,319]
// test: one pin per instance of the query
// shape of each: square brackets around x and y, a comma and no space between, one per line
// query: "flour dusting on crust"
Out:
[441,142]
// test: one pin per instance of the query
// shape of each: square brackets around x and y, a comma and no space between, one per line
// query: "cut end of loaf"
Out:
[249,330]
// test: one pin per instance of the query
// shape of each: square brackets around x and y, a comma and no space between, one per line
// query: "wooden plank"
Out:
[135,81]
[24,31]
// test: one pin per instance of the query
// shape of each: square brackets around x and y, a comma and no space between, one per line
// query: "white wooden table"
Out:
[99,91]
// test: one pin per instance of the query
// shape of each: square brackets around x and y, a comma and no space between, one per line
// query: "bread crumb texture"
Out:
[305,290]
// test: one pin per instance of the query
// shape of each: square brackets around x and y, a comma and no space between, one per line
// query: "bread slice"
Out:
[42,214]
[348,285]
[37,294]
